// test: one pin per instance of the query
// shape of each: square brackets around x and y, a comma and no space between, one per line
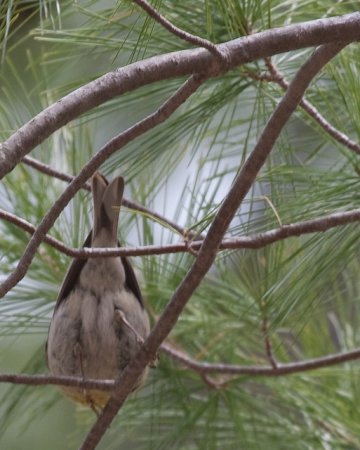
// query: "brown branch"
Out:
[182,34]
[275,76]
[118,142]
[342,138]
[39,380]
[268,344]
[211,243]
[264,371]
[48,170]
[255,241]
[175,64]
[203,368]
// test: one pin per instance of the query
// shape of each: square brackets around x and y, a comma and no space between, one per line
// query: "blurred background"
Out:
[301,293]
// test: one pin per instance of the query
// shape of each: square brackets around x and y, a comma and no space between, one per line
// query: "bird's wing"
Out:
[72,275]
[131,281]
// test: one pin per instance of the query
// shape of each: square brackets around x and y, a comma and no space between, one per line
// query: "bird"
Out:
[99,320]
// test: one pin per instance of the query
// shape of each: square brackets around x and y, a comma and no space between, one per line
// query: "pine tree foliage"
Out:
[302,294]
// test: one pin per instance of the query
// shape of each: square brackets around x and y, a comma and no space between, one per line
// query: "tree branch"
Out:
[255,241]
[184,35]
[203,368]
[264,371]
[175,64]
[340,137]
[267,341]
[48,170]
[211,243]
[141,127]
[39,380]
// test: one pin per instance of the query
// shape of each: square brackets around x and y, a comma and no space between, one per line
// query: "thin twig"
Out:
[268,344]
[342,138]
[48,170]
[182,34]
[255,241]
[118,142]
[264,371]
[202,368]
[208,250]
[39,380]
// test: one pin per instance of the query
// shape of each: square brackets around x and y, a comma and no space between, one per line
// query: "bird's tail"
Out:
[107,201]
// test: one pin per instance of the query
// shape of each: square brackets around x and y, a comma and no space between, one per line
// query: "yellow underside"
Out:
[93,398]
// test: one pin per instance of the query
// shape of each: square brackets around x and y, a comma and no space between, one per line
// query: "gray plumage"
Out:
[99,318]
